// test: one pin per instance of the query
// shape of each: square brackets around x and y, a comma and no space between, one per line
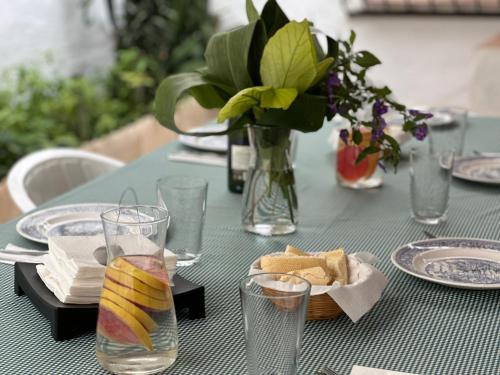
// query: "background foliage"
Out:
[153,39]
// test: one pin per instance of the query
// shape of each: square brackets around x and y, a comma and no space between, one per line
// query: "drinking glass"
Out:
[354,175]
[430,175]
[274,313]
[136,326]
[447,129]
[185,197]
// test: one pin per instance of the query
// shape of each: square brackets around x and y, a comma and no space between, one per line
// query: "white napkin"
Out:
[12,254]
[360,370]
[196,157]
[365,287]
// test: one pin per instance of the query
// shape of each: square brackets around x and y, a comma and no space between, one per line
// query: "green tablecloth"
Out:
[416,327]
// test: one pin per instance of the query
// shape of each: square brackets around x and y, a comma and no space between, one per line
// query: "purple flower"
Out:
[379,125]
[333,80]
[379,108]
[420,131]
[344,135]
[332,107]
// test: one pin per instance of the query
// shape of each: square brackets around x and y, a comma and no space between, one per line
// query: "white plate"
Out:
[73,219]
[210,143]
[484,169]
[465,263]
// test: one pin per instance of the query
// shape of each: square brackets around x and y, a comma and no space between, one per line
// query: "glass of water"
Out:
[274,309]
[185,198]
[447,129]
[430,175]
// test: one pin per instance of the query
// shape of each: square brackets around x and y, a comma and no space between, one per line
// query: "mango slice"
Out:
[133,283]
[107,325]
[136,297]
[135,311]
[145,276]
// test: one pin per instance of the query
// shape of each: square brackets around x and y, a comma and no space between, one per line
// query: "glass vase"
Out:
[269,198]
[136,326]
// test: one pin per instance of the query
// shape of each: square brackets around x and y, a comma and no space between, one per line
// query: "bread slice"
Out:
[290,250]
[315,275]
[286,264]
[336,261]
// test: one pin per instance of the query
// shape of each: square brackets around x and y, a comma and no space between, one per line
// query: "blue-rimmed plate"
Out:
[458,262]
[75,219]
[483,169]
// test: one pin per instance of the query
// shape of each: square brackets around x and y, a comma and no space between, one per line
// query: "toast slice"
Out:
[315,275]
[286,264]
[291,250]
[336,261]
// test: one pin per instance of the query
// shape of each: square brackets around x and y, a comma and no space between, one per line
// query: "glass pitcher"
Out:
[136,326]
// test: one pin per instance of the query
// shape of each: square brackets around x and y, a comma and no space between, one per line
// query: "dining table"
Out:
[417,326]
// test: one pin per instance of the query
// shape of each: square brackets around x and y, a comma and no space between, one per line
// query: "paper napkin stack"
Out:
[73,274]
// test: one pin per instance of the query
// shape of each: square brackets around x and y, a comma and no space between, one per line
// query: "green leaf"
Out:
[289,59]
[366,59]
[357,137]
[207,96]
[252,13]
[352,37]
[367,151]
[321,69]
[333,47]
[227,56]
[259,41]
[260,96]
[274,18]
[306,114]
[168,94]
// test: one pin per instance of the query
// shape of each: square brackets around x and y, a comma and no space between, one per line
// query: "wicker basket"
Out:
[321,306]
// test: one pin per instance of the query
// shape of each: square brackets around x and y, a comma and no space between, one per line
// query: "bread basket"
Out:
[321,305]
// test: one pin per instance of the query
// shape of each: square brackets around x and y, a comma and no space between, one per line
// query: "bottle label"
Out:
[240,157]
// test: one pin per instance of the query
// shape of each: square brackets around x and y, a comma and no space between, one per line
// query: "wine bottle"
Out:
[238,157]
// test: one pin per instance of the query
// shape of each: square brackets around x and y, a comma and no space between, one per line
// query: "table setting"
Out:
[341,256]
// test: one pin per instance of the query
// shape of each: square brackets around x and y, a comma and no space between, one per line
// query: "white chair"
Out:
[43,175]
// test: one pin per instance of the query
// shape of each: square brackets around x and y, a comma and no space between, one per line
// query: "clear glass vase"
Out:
[136,326]
[269,198]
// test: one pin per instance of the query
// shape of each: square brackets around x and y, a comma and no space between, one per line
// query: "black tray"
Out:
[71,320]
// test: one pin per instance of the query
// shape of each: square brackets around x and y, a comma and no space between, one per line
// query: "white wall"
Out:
[29,30]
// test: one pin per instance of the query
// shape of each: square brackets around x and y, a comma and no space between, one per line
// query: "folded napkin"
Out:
[71,271]
[197,157]
[360,370]
[12,254]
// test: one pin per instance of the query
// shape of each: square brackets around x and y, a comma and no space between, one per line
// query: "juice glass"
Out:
[137,326]
[357,175]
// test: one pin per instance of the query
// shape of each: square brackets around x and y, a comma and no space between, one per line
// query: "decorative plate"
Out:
[73,219]
[458,262]
[210,143]
[484,169]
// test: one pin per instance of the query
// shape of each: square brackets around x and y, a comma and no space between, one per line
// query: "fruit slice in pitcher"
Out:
[347,167]
[147,269]
[127,280]
[117,324]
[134,310]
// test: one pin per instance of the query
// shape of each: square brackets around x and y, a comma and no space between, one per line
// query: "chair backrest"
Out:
[43,175]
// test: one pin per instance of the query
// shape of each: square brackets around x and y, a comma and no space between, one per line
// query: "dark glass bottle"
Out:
[238,156]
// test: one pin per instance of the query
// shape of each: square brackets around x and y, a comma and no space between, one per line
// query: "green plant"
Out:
[273,72]
[37,112]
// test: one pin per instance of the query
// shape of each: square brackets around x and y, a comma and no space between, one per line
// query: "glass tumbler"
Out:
[447,129]
[185,198]
[274,313]
[136,326]
[430,175]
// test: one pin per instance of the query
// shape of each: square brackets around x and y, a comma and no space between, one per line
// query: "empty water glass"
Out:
[447,129]
[274,313]
[185,198]
[430,175]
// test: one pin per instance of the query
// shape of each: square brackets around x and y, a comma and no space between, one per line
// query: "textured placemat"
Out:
[417,327]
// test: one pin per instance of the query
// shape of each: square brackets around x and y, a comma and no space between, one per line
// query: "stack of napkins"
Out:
[71,271]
